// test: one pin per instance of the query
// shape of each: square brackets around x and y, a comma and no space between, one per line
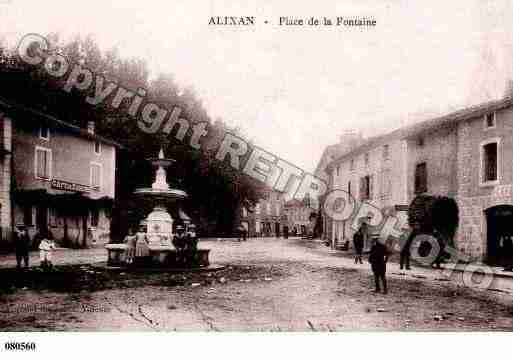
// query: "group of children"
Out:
[22,244]
[137,244]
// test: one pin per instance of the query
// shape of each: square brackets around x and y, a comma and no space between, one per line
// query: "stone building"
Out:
[464,155]
[347,141]
[374,172]
[55,176]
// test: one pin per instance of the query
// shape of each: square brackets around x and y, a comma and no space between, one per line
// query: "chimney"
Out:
[90,127]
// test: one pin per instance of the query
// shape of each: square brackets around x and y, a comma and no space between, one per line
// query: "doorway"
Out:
[499,221]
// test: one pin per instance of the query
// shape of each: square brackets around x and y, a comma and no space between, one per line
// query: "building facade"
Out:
[55,177]
[267,217]
[374,172]
[301,217]
[465,155]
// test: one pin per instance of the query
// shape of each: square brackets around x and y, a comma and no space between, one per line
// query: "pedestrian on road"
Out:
[358,245]
[46,248]
[22,245]
[441,249]
[404,260]
[378,258]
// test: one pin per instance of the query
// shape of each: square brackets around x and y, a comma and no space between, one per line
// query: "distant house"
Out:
[266,218]
[54,175]
[299,215]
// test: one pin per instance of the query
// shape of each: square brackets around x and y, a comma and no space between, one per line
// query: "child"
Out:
[45,252]
[378,258]
[130,246]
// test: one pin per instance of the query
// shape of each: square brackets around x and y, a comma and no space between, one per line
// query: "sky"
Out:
[295,90]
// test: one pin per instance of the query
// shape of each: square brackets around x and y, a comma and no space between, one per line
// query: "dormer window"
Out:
[44,132]
[489,120]
[97,147]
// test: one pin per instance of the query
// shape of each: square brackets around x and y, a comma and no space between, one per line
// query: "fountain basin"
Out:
[160,256]
[154,193]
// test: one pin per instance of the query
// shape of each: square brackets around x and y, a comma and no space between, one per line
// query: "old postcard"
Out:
[276,166]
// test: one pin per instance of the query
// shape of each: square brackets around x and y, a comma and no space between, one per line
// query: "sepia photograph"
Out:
[181,167]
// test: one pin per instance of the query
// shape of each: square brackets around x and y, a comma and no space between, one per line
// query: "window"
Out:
[352,165]
[43,163]
[95,217]
[421,178]
[268,208]
[96,175]
[489,162]
[257,208]
[366,159]
[44,132]
[277,210]
[257,226]
[386,152]
[97,147]
[338,170]
[366,187]
[489,120]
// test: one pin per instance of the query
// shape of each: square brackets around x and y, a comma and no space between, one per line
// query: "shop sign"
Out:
[69,186]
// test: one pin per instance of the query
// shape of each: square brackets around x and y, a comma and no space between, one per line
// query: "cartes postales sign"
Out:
[69,186]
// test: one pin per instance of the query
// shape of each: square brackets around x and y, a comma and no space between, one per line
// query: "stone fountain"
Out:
[159,222]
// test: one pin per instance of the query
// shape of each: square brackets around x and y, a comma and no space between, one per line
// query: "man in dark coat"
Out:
[404,260]
[358,245]
[180,243]
[378,258]
[22,245]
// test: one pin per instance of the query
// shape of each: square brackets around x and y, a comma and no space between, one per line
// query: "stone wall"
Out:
[473,198]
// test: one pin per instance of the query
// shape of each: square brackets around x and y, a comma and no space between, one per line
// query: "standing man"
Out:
[378,258]
[22,245]
[191,245]
[358,245]
[404,261]
[180,243]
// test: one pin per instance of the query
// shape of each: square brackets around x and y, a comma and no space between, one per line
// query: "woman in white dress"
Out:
[141,244]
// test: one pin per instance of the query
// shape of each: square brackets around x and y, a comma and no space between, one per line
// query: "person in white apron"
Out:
[45,253]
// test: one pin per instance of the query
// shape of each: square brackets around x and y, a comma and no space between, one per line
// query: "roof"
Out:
[56,123]
[428,125]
